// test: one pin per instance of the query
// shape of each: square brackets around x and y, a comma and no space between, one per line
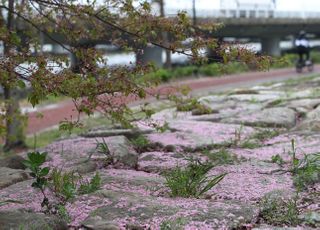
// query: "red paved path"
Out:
[66,109]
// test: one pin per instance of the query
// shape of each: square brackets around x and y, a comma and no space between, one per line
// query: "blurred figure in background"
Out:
[303,47]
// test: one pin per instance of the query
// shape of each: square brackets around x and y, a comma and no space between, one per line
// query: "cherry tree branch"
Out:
[35,26]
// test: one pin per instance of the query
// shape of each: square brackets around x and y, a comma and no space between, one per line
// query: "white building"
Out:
[263,5]
[247,8]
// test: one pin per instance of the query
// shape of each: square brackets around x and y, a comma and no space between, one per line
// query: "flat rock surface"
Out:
[270,117]
[24,220]
[254,97]
[10,176]
[308,104]
[122,151]
[149,212]
[195,135]
[161,161]
[311,121]
[14,162]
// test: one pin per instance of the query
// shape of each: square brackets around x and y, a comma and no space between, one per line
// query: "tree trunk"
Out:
[14,125]
[15,137]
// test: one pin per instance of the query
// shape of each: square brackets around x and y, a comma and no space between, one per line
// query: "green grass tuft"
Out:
[192,181]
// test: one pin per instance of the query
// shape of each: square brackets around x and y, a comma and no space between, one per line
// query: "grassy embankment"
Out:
[216,69]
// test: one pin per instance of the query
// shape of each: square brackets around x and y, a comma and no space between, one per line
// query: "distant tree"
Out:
[77,27]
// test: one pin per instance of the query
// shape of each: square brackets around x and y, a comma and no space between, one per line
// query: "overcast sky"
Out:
[283,5]
[309,5]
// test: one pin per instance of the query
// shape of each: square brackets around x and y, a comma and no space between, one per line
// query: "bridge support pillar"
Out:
[57,49]
[271,46]
[74,63]
[77,64]
[150,54]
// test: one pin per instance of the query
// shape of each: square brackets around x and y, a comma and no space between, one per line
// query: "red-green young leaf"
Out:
[162,128]
[27,163]
[21,84]
[44,172]
[15,39]
[34,99]
[41,182]
[146,6]
[295,162]
[66,126]
[35,185]
[142,93]
[36,158]
[149,112]
[185,90]
[225,58]
[32,156]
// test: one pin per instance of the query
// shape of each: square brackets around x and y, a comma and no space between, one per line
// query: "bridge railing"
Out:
[297,14]
[241,13]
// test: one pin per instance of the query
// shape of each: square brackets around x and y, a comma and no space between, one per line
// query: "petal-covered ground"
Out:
[252,137]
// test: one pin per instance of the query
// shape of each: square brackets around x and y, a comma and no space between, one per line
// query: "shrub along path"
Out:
[250,162]
[65,110]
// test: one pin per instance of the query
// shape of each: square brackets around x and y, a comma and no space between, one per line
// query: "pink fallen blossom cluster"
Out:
[83,206]
[282,146]
[248,182]
[218,132]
